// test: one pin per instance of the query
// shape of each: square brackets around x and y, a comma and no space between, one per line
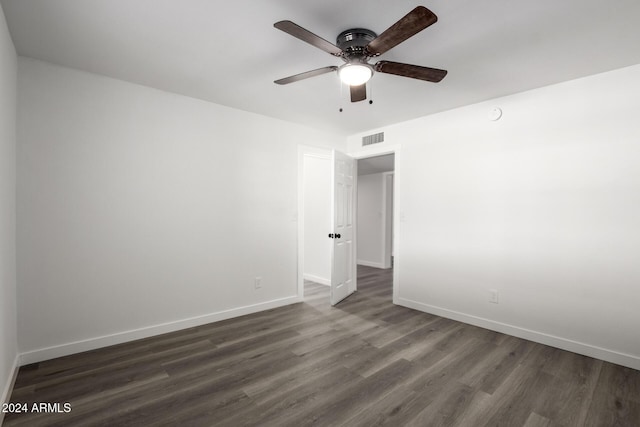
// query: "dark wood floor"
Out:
[363,363]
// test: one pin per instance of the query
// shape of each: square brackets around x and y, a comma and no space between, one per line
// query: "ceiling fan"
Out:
[358,45]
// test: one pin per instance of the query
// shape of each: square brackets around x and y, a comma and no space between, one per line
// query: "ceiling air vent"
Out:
[376,138]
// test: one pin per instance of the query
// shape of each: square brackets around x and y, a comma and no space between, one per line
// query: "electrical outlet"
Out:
[493,296]
[257,282]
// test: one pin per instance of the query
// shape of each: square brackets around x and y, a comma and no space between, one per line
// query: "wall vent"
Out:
[376,138]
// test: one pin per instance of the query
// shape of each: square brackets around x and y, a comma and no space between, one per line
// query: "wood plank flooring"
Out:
[363,363]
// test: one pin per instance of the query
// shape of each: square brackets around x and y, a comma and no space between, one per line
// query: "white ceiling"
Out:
[229,53]
[376,164]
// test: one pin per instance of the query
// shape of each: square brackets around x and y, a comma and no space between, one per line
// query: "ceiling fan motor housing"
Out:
[353,43]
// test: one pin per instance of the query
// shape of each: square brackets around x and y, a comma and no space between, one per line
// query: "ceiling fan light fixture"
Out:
[355,74]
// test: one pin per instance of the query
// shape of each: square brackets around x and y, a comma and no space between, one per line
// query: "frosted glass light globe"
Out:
[355,74]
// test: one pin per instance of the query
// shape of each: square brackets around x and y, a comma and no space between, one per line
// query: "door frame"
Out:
[371,151]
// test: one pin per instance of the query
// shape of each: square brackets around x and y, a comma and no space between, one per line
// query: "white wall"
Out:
[371,205]
[542,205]
[141,211]
[8,340]
[317,217]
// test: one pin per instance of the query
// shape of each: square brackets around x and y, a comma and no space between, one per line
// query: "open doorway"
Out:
[376,171]
[375,211]
[375,220]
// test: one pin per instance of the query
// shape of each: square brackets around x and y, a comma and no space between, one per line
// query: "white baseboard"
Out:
[6,393]
[370,264]
[623,359]
[121,337]
[317,279]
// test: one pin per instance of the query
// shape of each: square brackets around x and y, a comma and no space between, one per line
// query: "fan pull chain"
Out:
[341,94]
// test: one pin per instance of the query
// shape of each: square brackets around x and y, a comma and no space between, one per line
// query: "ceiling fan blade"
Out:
[358,93]
[306,75]
[307,36]
[409,25]
[414,71]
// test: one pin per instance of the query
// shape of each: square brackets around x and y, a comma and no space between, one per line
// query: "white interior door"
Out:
[343,252]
